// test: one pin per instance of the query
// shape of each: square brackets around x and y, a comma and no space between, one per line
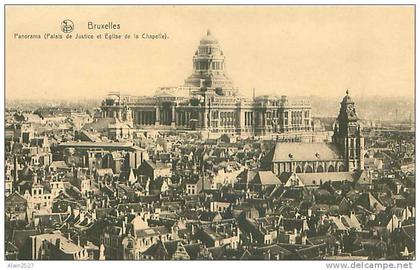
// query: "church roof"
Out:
[303,151]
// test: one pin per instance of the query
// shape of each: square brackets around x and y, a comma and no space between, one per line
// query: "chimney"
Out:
[15,172]
[304,239]
[82,216]
[309,212]
[124,226]
[75,172]
[58,243]
[76,212]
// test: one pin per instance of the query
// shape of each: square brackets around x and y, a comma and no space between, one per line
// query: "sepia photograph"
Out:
[210,132]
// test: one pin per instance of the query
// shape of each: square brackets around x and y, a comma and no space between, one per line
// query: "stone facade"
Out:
[208,101]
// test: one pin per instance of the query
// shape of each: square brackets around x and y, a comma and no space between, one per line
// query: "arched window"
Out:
[298,169]
[320,169]
[309,169]
[331,168]
[341,168]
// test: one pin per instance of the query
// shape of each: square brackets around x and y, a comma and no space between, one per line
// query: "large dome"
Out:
[209,66]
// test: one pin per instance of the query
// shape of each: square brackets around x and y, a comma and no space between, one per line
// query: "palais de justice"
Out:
[208,101]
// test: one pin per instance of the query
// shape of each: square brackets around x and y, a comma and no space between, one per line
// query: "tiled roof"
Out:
[266,178]
[316,178]
[153,231]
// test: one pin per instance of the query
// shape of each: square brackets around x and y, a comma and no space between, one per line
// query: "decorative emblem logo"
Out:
[67,26]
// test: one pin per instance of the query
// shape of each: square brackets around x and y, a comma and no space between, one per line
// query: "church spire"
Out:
[348,136]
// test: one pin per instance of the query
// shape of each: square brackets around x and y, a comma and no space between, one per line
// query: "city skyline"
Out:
[274,42]
[137,133]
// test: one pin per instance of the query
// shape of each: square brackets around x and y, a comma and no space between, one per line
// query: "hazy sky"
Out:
[284,50]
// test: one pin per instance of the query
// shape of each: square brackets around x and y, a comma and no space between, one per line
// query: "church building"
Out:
[344,154]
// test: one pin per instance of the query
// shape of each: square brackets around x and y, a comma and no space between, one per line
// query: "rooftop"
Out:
[303,152]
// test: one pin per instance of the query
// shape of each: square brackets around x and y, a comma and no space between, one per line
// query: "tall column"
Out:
[150,118]
[209,119]
[173,114]
[205,120]
[361,152]
[157,122]
[241,122]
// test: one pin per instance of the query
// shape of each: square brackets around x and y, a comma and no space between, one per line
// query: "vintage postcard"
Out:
[214,132]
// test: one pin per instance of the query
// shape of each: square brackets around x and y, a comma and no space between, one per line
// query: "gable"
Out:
[266,178]
[293,181]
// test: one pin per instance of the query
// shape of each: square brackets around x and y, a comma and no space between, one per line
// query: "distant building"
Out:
[98,155]
[208,101]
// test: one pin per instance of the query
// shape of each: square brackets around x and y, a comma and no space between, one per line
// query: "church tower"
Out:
[348,136]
